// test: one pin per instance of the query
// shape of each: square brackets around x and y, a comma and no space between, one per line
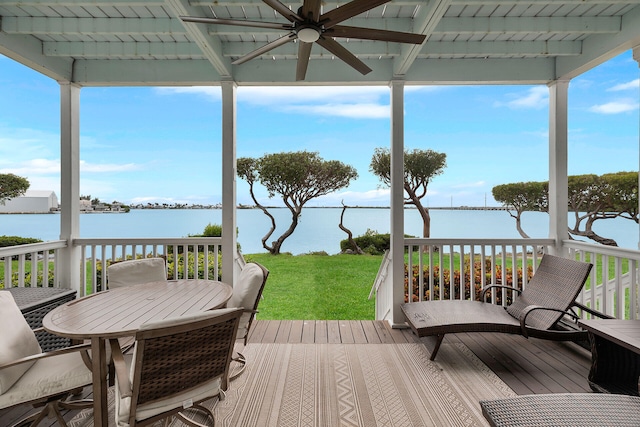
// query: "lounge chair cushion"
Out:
[136,271]
[16,341]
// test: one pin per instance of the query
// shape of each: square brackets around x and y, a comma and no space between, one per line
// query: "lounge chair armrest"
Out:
[34,357]
[531,308]
[591,311]
[120,367]
[489,287]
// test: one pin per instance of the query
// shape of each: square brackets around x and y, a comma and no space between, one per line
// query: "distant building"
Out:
[33,201]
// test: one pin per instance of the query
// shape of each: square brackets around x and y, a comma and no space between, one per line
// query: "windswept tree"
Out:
[12,186]
[420,166]
[520,197]
[593,197]
[297,177]
[590,198]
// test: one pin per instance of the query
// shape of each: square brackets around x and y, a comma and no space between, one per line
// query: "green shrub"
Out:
[371,242]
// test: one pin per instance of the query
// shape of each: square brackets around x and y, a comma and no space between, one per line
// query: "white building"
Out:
[33,201]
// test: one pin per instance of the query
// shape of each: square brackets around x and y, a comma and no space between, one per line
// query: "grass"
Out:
[322,287]
[318,287]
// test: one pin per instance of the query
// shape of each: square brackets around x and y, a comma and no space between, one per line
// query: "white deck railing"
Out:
[612,286]
[21,262]
[186,258]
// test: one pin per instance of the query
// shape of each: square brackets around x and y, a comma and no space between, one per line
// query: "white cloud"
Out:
[358,102]
[536,97]
[109,167]
[354,111]
[212,92]
[34,167]
[633,84]
[615,107]
[378,197]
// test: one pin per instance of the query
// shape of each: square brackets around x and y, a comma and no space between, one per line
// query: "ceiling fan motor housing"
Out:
[308,33]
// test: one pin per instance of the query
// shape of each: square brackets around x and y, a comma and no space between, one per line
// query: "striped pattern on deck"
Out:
[528,366]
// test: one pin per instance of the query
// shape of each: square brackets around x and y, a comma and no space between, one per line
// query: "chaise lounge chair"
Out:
[563,410]
[549,296]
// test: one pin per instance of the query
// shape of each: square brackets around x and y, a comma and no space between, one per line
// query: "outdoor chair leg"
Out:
[437,347]
[242,360]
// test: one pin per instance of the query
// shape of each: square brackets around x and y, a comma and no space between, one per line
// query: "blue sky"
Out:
[149,144]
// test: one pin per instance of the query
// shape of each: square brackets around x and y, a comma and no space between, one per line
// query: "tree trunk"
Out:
[352,242]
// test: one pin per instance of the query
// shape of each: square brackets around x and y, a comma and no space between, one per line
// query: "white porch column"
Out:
[558,182]
[397,200]
[636,56]
[229,245]
[69,266]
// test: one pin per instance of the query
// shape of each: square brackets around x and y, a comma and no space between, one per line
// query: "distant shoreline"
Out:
[454,208]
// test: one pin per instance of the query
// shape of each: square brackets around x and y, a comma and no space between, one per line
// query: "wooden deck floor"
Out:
[527,366]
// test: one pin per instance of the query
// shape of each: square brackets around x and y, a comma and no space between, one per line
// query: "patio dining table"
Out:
[118,313]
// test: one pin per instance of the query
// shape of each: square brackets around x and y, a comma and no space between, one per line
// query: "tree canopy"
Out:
[521,197]
[420,167]
[590,198]
[297,177]
[12,186]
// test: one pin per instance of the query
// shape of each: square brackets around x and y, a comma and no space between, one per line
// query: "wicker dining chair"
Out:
[247,292]
[175,361]
[29,376]
[136,271]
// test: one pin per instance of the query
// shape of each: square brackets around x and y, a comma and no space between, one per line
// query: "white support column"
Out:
[397,199]
[229,241]
[558,157]
[69,266]
[636,56]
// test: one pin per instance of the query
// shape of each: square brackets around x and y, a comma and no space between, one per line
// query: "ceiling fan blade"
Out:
[304,52]
[283,10]
[374,34]
[257,24]
[341,52]
[311,10]
[349,10]
[266,48]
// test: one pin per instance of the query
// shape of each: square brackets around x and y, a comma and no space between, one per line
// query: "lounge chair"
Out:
[563,410]
[549,296]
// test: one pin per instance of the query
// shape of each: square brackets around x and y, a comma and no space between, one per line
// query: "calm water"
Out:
[317,231]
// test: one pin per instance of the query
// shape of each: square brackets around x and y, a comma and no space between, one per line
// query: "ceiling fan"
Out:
[307,26]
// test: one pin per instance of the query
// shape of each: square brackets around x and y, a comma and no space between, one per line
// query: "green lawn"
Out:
[313,287]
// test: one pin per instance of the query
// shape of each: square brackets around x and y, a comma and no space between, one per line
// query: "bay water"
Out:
[317,229]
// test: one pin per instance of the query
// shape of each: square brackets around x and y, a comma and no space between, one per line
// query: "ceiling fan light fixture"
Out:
[308,34]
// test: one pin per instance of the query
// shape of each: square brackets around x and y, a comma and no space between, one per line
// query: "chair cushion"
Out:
[48,376]
[123,405]
[16,341]
[136,271]
[245,291]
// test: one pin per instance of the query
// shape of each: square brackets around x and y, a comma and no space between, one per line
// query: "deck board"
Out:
[526,365]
